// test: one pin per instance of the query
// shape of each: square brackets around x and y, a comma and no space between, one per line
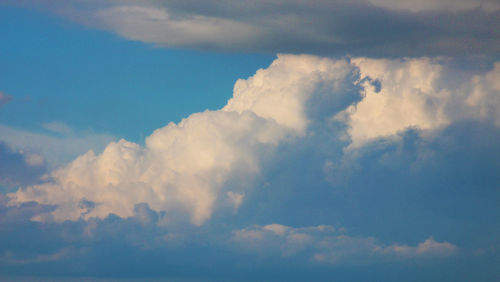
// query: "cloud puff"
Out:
[417,93]
[325,244]
[360,27]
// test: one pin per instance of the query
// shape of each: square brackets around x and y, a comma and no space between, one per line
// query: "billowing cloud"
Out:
[185,167]
[417,93]
[361,27]
[326,244]
[316,168]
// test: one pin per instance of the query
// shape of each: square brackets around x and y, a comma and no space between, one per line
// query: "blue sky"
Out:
[250,140]
[57,71]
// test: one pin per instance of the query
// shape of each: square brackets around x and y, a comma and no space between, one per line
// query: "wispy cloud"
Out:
[57,127]
[4,98]
[56,150]
[326,244]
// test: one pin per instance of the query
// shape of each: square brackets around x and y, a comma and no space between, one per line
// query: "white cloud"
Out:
[184,166]
[408,98]
[326,244]
[281,92]
[484,99]
[427,248]
[416,93]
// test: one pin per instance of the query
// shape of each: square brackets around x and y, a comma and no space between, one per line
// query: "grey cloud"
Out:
[4,98]
[19,168]
[368,28]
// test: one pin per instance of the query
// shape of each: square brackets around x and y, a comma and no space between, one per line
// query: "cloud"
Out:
[417,93]
[484,99]
[57,127]
[446,5]
[167,28]
[427,248]
[4,98]
[417,192]
[149,248]
[19,168]
[55,150]
[9,258]
[187,168]
[362,28]
[326,244]
[183,167]
[235,198]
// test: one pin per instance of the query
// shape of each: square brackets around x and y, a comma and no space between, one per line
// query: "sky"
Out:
[256,140]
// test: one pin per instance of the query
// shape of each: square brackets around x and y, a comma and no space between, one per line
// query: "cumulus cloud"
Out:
[408,97]
[361,27]
[185,167]
[416,93]
[326,244]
